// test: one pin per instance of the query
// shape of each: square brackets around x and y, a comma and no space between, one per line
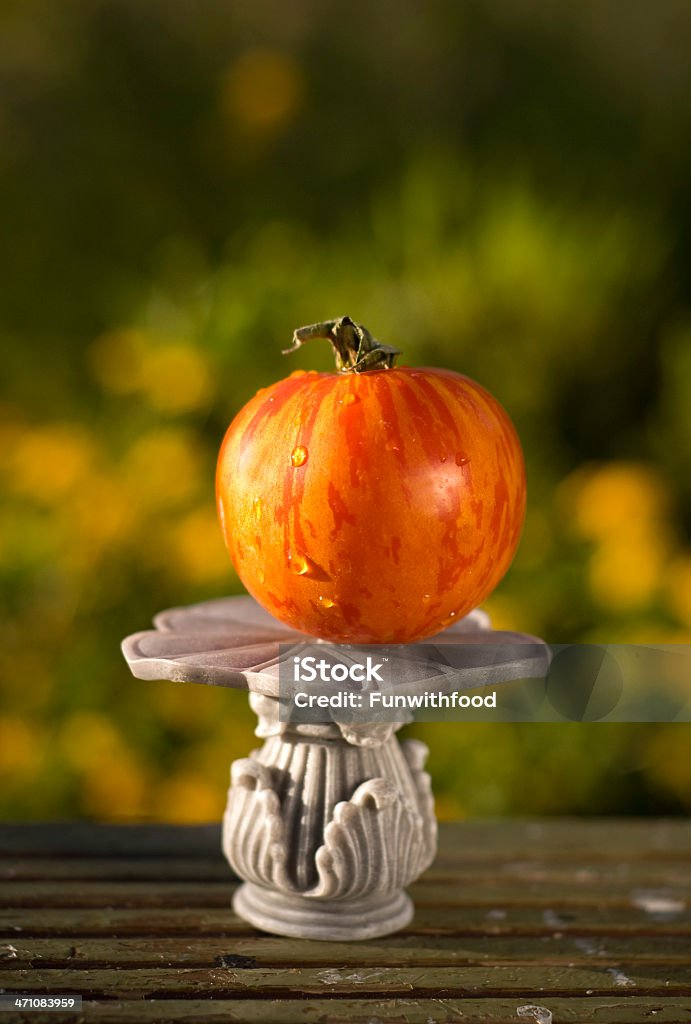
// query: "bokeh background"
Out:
[502,189]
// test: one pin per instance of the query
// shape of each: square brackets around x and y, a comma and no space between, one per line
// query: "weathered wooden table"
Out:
[535,921]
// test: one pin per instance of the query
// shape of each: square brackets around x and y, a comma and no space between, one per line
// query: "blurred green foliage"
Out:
[501,189]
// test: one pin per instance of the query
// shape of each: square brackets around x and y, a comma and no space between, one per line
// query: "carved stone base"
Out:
[327,831]
[335,920]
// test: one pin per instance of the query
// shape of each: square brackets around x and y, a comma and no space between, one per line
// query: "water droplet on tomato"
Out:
[326,602]
[425,598]
[391,447]
[443,458]
[461,459]
[349,399]
[257,506]
[260,576]
[303,565]
[297,373]
[299,564]
[298,456]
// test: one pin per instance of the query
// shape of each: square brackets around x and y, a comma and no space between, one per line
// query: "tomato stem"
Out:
[355,349]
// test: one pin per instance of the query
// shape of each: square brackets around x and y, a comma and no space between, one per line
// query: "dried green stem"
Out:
[355,349]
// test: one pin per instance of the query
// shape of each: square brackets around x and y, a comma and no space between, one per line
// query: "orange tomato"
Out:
[371,507]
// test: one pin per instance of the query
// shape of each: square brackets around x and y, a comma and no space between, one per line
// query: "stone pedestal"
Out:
[328,833]
[327,824]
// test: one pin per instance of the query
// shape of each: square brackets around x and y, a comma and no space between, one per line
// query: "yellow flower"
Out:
[625,573]
[262,90]
[172,375]
[618,498]
[175,378]
[99,516]
[189,797]
[89,739]
[21,749]
[119,790]
[198,551]
[50,460]
[163,467]
[679,589]
[114,783]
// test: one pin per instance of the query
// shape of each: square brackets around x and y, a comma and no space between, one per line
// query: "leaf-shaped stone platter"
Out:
[232,641]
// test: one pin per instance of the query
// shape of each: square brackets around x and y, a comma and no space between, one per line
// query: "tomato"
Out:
[378,504]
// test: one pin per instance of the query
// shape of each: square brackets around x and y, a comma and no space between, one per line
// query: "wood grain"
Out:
[590,920]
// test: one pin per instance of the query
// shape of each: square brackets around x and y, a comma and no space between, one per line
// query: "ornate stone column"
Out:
[312,823]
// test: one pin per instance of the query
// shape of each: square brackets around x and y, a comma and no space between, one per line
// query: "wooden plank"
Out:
[400,950]
[581,871]
[80,838]
[119,869]
[79,894]
[488,892]
[541,889]
[288,983]
[511,914]
[609,839]
[585,1010]
[614,838]
[471,920]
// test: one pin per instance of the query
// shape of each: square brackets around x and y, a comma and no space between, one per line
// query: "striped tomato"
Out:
[377,504]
